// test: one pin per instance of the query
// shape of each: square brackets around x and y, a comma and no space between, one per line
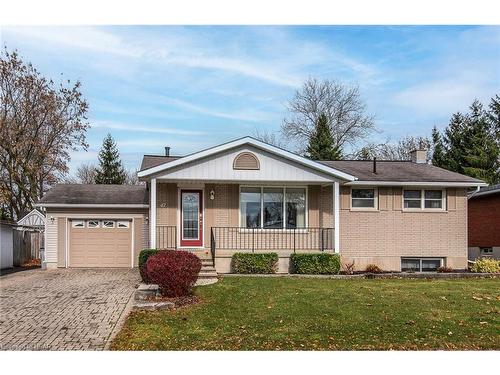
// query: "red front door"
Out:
[191,218]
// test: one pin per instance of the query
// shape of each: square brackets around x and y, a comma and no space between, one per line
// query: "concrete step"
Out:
[211,274]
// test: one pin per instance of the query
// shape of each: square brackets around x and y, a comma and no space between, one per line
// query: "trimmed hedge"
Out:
[143,258]
[315,264]
[255,263]
[174,271]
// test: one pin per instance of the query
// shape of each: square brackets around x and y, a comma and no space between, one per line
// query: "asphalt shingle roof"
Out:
[96,194]
[150,161]
[398,171]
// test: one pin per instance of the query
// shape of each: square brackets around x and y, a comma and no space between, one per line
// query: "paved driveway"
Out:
[65,309]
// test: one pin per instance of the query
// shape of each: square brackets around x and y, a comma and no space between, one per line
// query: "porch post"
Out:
[152,215]
[336,215]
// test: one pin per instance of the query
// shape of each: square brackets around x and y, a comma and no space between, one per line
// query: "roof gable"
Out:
[32,218]
[251,142]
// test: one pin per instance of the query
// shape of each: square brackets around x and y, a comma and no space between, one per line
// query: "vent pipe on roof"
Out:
[167,151]
[375,165]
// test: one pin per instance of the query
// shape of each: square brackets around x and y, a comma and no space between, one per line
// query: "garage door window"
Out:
[122,224]
[108,224]
[78,224]
[92,223]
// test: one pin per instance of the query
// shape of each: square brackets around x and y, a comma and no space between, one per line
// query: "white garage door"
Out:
[100,243]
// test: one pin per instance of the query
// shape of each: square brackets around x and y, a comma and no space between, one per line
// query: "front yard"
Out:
[252,313]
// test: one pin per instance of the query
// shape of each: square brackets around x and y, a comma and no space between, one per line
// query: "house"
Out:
[246,195]
[484,223]
[33,219]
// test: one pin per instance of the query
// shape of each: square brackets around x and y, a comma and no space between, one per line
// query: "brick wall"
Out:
[384,236]
[484,221]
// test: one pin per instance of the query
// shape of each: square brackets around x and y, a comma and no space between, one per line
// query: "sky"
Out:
[195,87]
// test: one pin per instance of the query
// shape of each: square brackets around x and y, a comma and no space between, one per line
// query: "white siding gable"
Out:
[219,167]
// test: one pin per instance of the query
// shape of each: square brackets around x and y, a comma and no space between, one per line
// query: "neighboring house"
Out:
[34,219]
[484,223]
[246,195]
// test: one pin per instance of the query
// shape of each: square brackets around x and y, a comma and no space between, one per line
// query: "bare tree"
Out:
[395,151]
[40,123]
[131,178]
[342,105]
[270,138]
[85,174]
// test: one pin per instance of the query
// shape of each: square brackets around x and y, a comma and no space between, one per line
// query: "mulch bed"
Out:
[177,301]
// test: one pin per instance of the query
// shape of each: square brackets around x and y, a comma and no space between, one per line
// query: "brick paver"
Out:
[64,309]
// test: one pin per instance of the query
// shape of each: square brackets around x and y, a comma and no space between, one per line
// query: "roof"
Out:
[29,218]
[399,171]
[95,195]
[486,191]
[240,142]
[149,161]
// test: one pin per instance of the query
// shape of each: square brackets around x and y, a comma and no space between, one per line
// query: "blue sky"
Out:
[195,87]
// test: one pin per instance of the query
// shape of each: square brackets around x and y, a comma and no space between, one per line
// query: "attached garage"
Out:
[100,243]
[90,226]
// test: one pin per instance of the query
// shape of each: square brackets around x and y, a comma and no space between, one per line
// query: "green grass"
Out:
[250,313]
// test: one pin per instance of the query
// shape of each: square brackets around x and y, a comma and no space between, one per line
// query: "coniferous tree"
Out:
[321,144]
[438,157]
[471,143]
[110,169]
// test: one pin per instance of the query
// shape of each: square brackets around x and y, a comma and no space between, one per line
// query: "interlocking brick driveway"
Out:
[64,309]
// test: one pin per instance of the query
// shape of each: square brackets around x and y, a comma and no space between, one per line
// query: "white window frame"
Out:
[125,223]
[284,187]
[98,223]
[422,207]
[107,227]
[375,199]
[74,224]
[421,259]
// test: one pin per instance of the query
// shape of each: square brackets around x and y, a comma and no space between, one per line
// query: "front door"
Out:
[192,218]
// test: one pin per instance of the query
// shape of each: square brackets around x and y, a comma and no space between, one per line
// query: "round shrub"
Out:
[315,264]
[444,269]
[373,268]
[174,271]
[143,258]
[486,265]
[250,263]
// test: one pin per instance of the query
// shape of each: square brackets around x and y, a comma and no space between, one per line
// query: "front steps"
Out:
[208,273]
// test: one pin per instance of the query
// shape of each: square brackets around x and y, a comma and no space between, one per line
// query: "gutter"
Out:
[416,183]
[68,205]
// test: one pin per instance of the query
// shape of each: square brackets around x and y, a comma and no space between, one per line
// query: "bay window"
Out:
[273,207]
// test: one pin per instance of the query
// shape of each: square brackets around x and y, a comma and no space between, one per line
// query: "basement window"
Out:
[420,264]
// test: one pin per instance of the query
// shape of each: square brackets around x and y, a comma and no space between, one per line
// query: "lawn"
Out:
[251,313]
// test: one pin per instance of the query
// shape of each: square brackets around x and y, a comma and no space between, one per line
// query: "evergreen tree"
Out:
[110,169]
[438,157]
[321,144]
[470,144]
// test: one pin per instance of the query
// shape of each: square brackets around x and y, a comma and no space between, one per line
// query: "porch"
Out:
[225,241]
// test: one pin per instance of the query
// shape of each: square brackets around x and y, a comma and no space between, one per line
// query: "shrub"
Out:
[255,263]
[443,269]
[348,268]
[315,264]
[487,265]
[373,268]
[174,271]
[143,258]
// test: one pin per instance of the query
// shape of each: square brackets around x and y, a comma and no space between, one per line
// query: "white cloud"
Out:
[143,129]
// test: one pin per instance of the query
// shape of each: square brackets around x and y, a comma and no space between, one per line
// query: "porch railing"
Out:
[166,237]
[252,239]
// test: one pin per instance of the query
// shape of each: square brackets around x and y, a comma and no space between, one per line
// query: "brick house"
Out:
[246,195]
[484,223]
